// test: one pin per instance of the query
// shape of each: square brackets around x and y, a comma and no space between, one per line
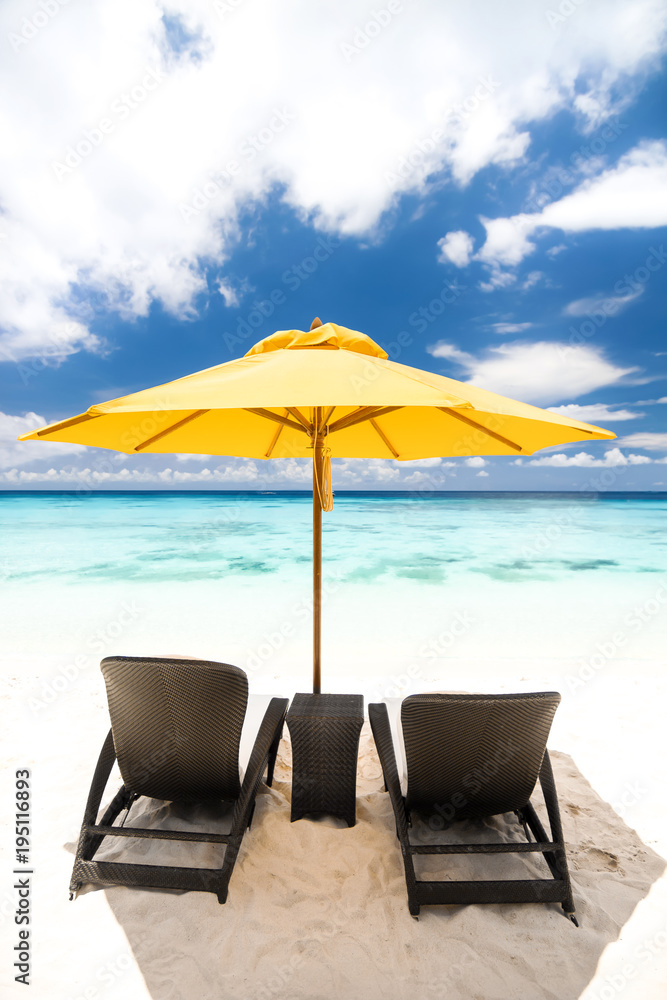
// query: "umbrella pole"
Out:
[317,551]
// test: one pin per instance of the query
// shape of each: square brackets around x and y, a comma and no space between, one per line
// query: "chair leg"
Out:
[231,854]
[557,861]
[252,813]
[88,844]
[410,880]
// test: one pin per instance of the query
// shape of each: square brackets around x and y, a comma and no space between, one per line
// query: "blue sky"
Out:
[182,180]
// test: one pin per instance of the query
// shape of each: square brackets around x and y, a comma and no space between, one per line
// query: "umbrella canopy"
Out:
[327,392]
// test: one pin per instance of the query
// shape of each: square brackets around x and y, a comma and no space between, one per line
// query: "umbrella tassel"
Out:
[323,481]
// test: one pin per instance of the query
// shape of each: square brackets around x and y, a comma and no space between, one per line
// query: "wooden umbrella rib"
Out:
[169,430]
[64,424]
[274,442]
[361,413]
[358,416]
[486,430]
[268,415]
[327,416]
[384,437]
[300,417]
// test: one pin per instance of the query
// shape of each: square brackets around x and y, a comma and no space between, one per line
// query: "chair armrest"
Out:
[89,842]
[270,730]
[379,719]
[105,763]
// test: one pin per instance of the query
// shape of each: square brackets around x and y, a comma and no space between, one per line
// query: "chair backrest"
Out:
[474,755]
[176,725]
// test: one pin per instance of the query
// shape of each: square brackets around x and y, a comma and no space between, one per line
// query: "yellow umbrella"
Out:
[328,392]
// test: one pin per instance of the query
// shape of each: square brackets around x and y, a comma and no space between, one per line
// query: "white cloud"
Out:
[542,372]
[229,294]
[159,134]
[475,463]
[554,251]
[594,413]
[13,452]
[94,472]
[232,472]
[456,248]
[510,327]
[612,458]
[497,279]
[632,194]
[646,439]
[482,473]
[425,463]
[507,240]
[444,350]
[531,280]
[608,305]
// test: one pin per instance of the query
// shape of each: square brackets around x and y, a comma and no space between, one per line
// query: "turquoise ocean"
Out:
[418,586]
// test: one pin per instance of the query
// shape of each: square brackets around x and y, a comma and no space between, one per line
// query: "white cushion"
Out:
[394,713]
[257,706]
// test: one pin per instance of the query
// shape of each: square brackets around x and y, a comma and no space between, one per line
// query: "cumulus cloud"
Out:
[456,248]
[612,458]
[531,279]
[229,294]
[13,452]
[123,178]
[595,413]
[445,350]
[507,240]
[102,474]
[497,279]
[630,195]
[475,463]
[541,372]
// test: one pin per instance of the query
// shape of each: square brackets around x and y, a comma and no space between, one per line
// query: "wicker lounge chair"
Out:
[176,727]
[470,756]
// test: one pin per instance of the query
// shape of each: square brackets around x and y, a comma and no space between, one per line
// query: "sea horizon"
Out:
[413,494]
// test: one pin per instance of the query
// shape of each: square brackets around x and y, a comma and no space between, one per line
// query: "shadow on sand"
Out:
[318,911]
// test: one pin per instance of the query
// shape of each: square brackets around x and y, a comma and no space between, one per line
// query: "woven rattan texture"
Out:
[477,755]
[177,725]
[529,730]
[124,675]
[325,732]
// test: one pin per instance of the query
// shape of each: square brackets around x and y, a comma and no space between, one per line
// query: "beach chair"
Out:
[176,729]
[451,757]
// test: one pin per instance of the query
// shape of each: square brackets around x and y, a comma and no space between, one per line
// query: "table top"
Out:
[347,706]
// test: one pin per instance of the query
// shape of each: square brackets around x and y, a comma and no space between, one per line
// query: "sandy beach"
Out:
[316,910]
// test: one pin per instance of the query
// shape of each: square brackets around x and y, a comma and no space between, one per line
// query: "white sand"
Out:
[316,910]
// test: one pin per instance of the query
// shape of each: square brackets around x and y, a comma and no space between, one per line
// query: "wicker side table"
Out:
[325,732]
